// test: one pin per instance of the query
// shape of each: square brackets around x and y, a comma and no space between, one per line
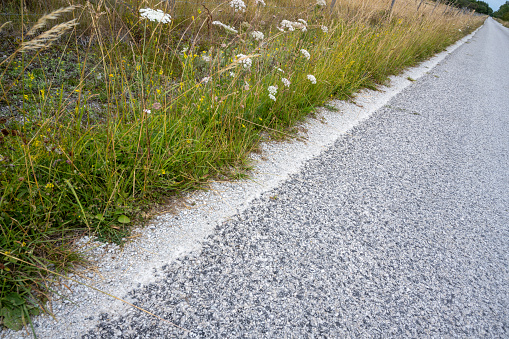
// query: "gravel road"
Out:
[401,229]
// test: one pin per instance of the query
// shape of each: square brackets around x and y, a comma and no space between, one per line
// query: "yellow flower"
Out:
[158,91]
[111,75]
[49,186]
[161,72]
[25,96]
[163,171]
[42,94]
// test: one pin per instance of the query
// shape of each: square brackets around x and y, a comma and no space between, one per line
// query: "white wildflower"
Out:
[280,70]
[260,2]
[312,79]
[246,62]
[286,24]
[147,111]
[228,28]
[272,92]
[292,25]
[155,15]
[232,74]
[286,82]
[206,58]
[302,21]
[305,53]
[257,35]
[238,5]
[205,80]
[184,50]
[321,3]
[324,29]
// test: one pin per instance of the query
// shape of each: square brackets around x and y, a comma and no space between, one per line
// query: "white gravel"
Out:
[171,236]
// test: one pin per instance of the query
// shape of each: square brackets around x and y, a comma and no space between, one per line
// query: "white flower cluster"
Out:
[238,5]
[206,58]
[321,3]
[305,53]
[257,35]
[246,62]
[286,82]
[324,29]
[260,2]
[312,79]
[155,15]
[205,80]
[293,25]
[272,92]
[228,28]
[280,70]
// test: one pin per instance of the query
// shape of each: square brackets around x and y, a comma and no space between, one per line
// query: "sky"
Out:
[495,4]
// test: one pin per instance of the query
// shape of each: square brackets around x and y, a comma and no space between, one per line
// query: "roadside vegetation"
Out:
[108,108]
[502,14]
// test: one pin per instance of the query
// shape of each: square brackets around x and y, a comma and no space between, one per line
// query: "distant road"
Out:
[399,230]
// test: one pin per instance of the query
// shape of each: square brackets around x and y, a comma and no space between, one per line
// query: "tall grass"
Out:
[104,113]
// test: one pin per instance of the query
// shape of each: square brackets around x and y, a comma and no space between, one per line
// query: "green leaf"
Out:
[100,217]
[124,219]
[15,299]
[12,318]
[34,311]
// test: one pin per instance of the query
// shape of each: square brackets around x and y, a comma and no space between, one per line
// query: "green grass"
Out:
[120,113]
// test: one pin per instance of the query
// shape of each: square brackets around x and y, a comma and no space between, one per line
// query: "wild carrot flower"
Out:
[155,15]
[324,29]
[226,27]
[272,92]
[147,111]
[280,70]
[311,78]
[305,53]
[206,58]
[302,21]
[260,2]
[286,24]
[286,82]
[257,35]
[292,25]
[246,62]
[238,5]
[321,3]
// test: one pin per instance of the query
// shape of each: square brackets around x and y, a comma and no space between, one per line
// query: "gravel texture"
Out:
[399,229]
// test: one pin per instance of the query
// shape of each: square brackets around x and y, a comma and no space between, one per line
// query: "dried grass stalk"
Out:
[45,39]
[5,24]
[52,16]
